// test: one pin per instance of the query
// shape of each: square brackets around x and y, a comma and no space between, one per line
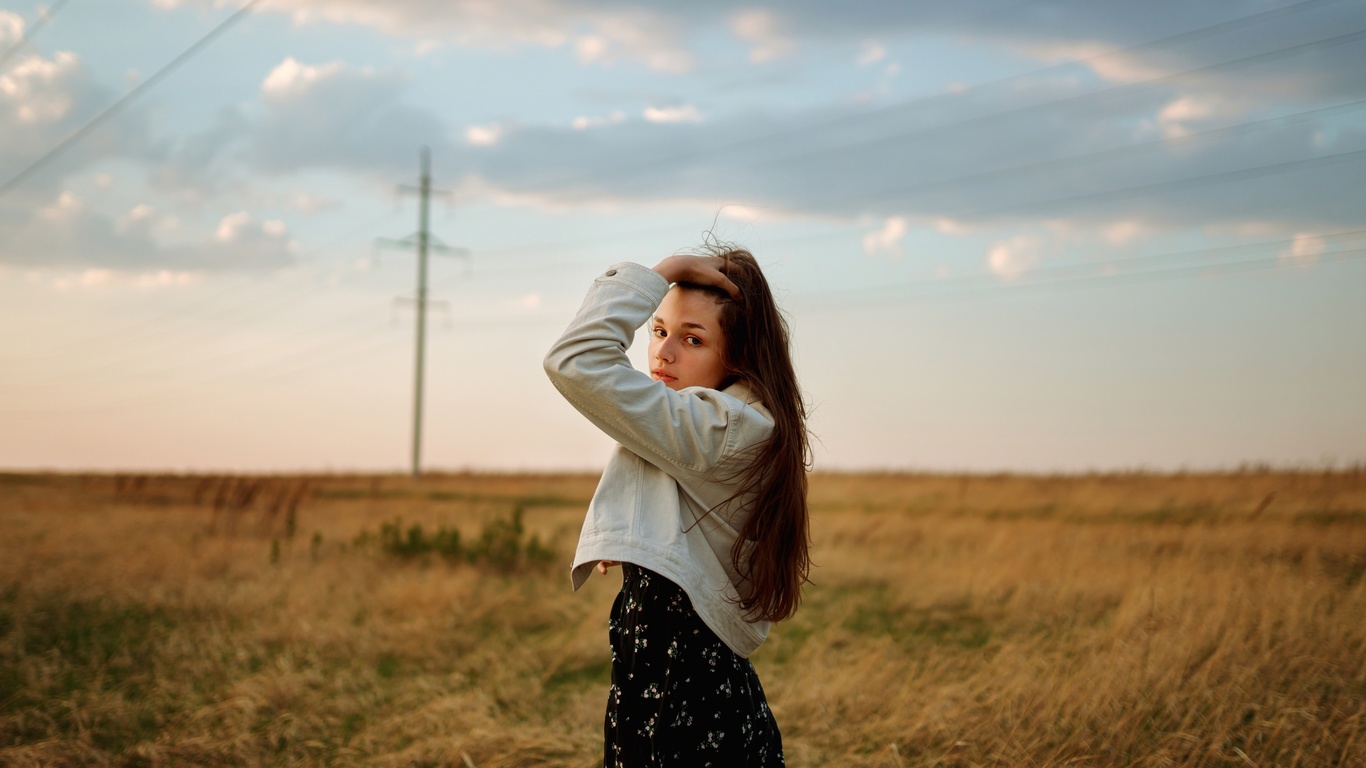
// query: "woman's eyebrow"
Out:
[686,324]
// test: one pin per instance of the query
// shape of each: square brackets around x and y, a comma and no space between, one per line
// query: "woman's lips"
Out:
[661,375]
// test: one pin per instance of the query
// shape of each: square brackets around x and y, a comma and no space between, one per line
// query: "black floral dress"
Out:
[680,696]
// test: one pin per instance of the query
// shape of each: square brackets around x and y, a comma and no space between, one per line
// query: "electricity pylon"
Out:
[424,242]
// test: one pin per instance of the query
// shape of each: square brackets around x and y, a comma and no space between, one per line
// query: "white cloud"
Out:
[530,301]
[1100,58]
[66,207]
[871,52]
[166,277]
[1304,250]
[1175,116]
[763,32]
[886,239]
[1121,232]
[644,37]
[590,48]
[290,79]
[96,276]
[308,203]
[612,32]
[947,226]
[230,228]
[103,278]
[30,88]
[11,28]
[143,219]
[583,122]
[483,135]
[103,180]
[1008,259]
[683,113]
[241,244]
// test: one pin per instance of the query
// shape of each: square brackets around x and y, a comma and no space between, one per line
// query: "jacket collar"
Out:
[745,395]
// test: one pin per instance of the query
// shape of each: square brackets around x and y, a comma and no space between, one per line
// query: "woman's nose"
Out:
[665,352]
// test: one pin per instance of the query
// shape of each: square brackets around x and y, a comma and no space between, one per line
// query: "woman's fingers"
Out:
[603,565]
[699,270]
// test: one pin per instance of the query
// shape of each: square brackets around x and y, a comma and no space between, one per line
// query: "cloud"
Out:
[11,29]
[964,163]
[871,52]
[1008,259]
[32,88]
[145,221]
[682,113]
[240,231]
[599,32]
[1304,250]
[946,226]
[65,208]
[984,160]
[1115,66]
[309,203]
[583,122]
[96,278]
[1176,117]
[762,31]
[590,48]
[290,79]
[231,226]
[67,234]
[1121,232]
[887,239]
[43,98]
[483,135]
[328,116]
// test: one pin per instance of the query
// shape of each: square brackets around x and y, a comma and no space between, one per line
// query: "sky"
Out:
[1043,236]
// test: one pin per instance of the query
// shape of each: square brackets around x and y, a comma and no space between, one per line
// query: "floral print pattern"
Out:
[680,696]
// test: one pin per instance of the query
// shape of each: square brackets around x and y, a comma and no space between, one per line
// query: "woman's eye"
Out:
[658,332]
[693,340]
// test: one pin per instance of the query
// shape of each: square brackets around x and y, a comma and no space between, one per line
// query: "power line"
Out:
[171,324]
[1051,164]
[1156,267]
[1222,177]
[44,16]
[117,106]
[1113,153]
[1235,175]
[1153,265]
[766,139]
[897,139]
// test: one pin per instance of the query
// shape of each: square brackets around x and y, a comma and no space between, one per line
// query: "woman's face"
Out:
[686,345]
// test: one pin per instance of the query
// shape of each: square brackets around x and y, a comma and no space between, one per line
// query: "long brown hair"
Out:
[771,553]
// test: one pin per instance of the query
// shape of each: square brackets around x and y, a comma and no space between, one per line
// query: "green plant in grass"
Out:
[502,543]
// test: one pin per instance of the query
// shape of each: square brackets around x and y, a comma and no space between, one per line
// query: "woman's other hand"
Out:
[603,565]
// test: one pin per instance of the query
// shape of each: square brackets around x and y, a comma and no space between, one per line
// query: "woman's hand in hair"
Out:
[698,270]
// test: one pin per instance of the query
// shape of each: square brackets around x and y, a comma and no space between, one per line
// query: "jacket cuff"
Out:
[642,279]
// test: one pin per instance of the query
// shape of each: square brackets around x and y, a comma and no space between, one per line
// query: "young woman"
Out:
[703,503]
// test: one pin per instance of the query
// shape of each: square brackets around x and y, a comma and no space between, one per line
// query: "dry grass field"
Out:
[1131,619]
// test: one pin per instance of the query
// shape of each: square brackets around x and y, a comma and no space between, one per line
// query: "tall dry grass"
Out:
[1177,620]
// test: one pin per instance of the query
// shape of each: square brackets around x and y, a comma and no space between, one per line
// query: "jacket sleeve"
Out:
[685,431]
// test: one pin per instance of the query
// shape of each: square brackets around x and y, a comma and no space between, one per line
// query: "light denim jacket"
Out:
[677,458]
